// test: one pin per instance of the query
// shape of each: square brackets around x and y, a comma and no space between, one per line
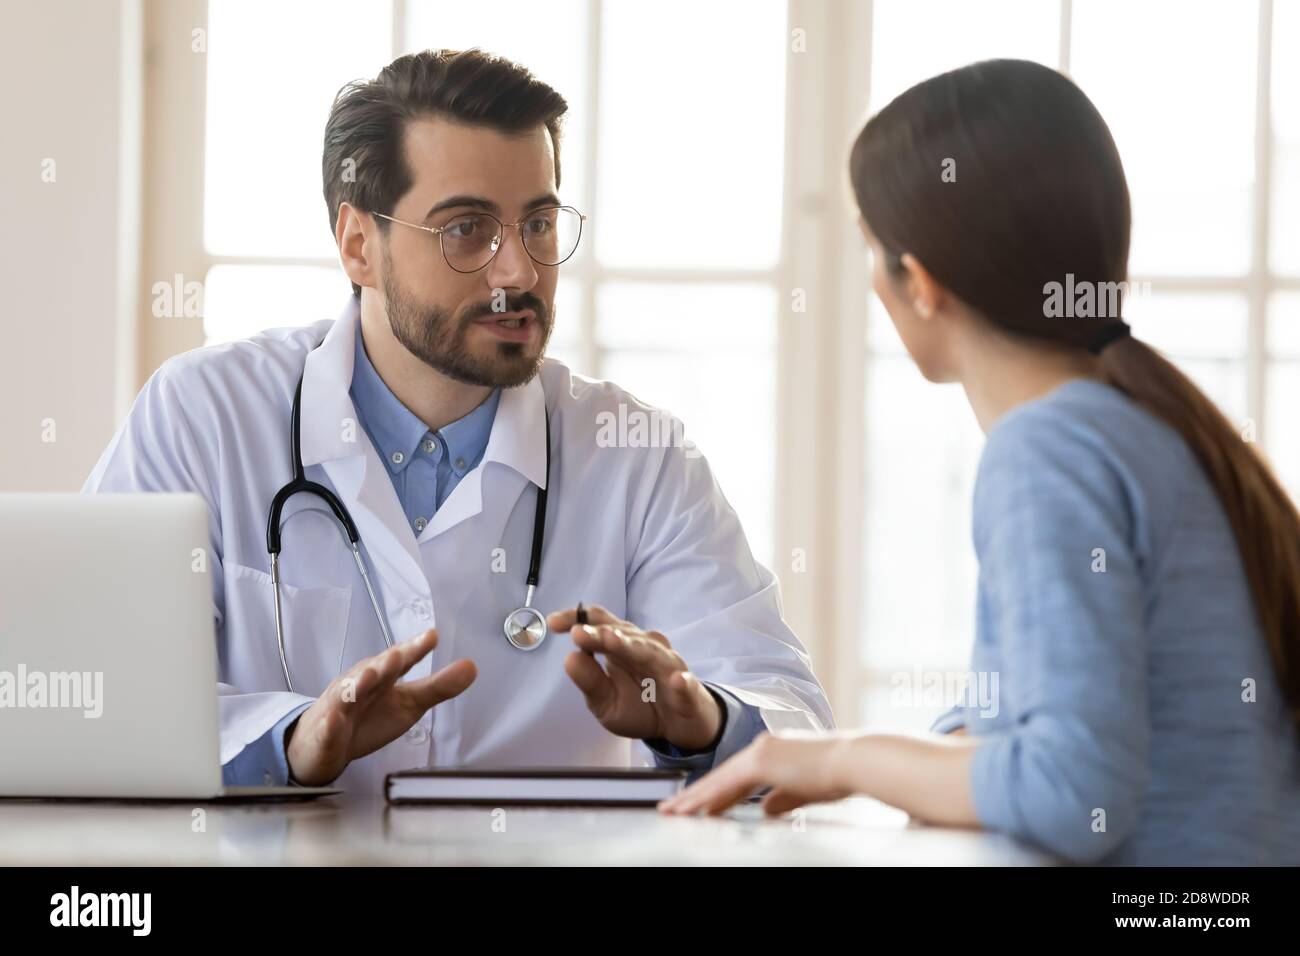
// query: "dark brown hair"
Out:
[363,162]
[1039,193]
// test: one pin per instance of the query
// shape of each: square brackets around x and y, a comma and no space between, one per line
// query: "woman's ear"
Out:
[923,291]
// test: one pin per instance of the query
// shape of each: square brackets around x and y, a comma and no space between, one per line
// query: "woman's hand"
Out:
[800,767]
[927,775]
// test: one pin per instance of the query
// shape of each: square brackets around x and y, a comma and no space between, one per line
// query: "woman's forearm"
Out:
[926,775]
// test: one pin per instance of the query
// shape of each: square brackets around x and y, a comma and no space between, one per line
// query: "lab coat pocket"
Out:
[315,630]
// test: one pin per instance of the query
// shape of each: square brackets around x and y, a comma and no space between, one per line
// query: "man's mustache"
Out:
[514,303]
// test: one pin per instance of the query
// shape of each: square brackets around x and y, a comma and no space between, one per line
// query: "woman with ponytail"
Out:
[1139,582]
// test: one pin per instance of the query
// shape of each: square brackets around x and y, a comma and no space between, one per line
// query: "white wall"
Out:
[71,71]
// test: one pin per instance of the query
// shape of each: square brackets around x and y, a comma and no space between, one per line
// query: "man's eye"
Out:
[463,228]
[540,226]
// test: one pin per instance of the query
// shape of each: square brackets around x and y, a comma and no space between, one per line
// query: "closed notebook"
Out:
[554,786]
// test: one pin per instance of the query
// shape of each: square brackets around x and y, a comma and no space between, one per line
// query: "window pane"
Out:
[239,301]
[889,703]
[566,337]
[1285,204]
[922,449]
[722,385]
[1284,325]
[692,123]
[1282,438]
[548,38]
[1176,84]
[917,39]
[263,153]
[882,337]
[1204,334]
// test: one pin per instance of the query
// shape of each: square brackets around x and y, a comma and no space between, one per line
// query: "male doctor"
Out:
[425,408]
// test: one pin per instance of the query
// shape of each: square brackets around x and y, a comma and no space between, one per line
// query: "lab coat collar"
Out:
[518,437]
[333,438]
[330,429]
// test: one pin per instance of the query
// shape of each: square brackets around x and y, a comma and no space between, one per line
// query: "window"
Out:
[272,260]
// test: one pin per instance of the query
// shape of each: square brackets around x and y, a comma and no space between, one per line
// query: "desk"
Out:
[352,830]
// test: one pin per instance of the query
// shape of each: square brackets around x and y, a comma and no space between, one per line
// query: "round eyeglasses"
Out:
[470,241]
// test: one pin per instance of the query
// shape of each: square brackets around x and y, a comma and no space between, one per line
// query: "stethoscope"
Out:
[524,627]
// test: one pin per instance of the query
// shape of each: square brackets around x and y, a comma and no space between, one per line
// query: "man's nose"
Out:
[512,268]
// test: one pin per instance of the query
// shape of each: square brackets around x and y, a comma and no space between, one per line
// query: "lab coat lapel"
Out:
[332,437]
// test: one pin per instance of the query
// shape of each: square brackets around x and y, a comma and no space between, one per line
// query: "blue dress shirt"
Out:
[425,466]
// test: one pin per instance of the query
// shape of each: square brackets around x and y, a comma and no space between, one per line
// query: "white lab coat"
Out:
[643,531]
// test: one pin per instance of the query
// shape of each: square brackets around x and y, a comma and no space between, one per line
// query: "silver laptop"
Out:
[108,662]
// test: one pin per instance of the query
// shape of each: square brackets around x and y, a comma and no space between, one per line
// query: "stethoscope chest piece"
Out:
[525,628]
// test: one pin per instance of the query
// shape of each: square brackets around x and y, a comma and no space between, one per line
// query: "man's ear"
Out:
[925,292]
[357,237]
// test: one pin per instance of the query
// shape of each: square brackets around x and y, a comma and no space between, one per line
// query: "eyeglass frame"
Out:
[439,230]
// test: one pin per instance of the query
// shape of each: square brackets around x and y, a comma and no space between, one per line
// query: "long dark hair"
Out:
[1002,178]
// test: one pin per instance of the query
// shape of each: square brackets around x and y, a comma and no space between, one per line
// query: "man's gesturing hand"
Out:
[645,689]
[365,708]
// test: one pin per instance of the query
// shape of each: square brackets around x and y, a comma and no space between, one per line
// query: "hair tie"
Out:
[1108,334]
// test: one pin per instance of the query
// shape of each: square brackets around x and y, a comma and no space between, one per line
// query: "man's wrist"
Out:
[667,746]
[288,738]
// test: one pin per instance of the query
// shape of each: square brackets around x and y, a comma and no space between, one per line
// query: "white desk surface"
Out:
[347,830]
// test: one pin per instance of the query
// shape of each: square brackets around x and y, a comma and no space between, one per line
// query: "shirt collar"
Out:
[394,428]
[467,437]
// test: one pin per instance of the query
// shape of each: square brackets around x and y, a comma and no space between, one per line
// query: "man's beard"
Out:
[440,341]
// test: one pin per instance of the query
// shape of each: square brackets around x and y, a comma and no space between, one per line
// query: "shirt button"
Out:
[460,463]
[417,734]
[429,445]
[267,779]
[397,457]
[420,524]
